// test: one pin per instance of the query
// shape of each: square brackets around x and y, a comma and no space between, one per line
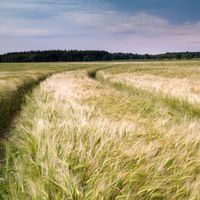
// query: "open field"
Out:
[101,131]
[18,79]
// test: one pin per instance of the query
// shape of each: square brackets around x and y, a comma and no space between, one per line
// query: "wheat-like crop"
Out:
[78,138]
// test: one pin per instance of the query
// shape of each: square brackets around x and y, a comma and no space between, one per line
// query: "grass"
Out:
[18,79]
[12,98]
[15,82]
[157,90]
[102,139]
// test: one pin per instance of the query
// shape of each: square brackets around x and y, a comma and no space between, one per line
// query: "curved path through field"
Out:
[77,138]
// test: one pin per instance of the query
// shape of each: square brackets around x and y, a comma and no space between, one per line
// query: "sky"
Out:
[136,26]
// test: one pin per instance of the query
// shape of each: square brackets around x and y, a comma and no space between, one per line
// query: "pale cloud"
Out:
[29,24]
[141,26]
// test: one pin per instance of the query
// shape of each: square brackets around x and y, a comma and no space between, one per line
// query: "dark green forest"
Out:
[80,55]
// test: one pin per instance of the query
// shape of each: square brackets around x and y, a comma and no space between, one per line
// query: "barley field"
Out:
[100,131]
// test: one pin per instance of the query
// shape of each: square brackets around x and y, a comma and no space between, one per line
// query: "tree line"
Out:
[77,55]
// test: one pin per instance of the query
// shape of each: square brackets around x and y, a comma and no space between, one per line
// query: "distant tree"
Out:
[107,57]
[75,55]
[89,58]
[178,56]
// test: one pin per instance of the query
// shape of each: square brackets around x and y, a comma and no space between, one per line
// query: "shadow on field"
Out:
[92,74]
[11,103]
[10,106]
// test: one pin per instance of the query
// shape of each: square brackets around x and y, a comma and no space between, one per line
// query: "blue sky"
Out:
[138,26]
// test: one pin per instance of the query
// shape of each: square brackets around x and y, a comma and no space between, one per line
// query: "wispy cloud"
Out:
[32,24]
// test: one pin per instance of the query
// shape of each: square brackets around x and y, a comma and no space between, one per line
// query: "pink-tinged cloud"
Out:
[92,27]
